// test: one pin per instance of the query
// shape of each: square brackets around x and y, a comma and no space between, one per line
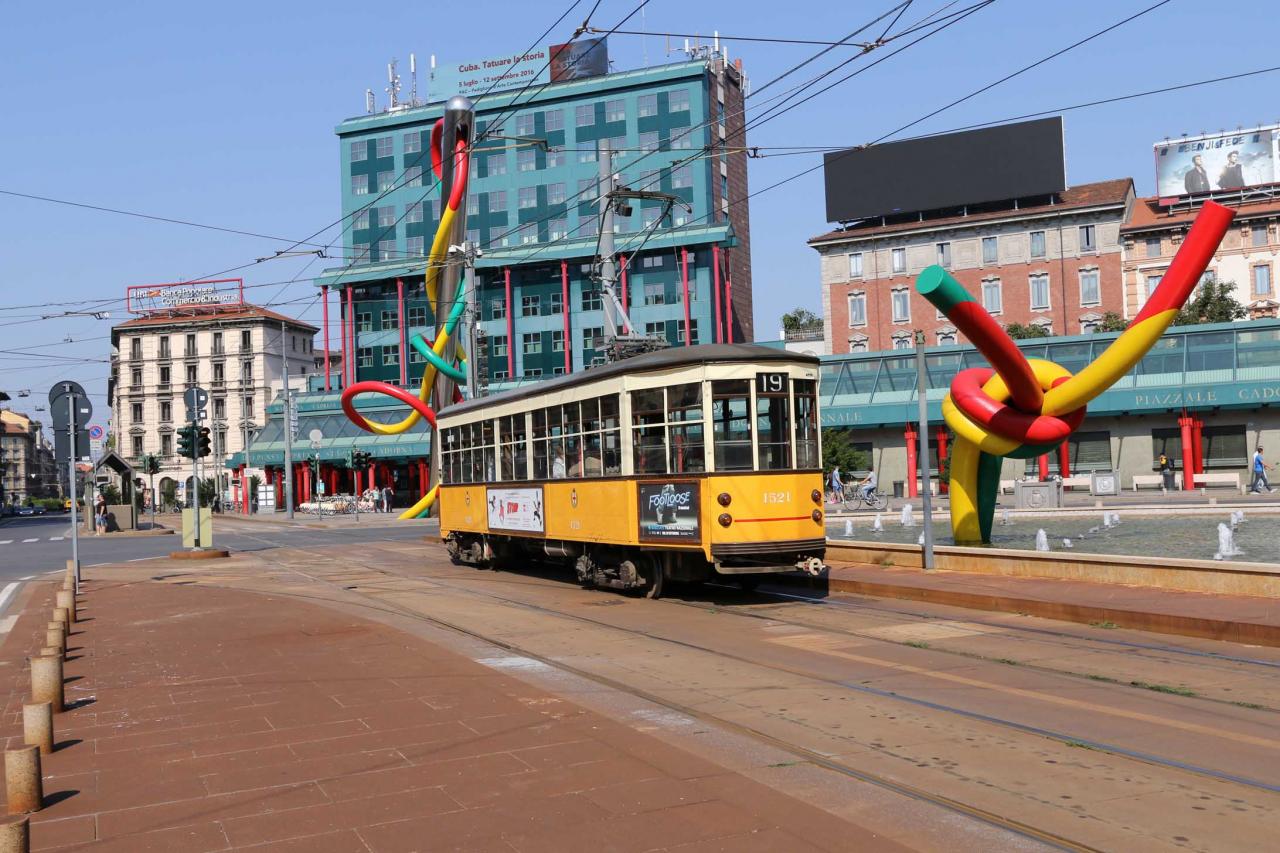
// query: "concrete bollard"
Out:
[60,615]
[67,599]
[15,835]
[46,681]
[49,651]
[54,639]
[22,782]
[37,726]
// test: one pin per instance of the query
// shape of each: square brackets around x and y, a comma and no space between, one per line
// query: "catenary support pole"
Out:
[926,499]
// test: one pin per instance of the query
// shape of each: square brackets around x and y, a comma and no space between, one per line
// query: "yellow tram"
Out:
[684,464]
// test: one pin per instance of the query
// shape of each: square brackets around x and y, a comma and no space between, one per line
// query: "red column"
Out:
[943,483]
[564,304]
[404,343]
[373,475]
[716,302]
[684,283]
[1043,459]
[306,483]
[422,476]
[349,356]
[626,305]
[1188,454]
[511,327]
[911,436]
[332,473]
[279,472]
[1064,460]
[324,297]
[246,493]
[1197,444]
[728,299]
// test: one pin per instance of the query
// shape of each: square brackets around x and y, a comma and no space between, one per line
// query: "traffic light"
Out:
[187,442]
[359,460]
[202,445]
[150,464]
[314,462]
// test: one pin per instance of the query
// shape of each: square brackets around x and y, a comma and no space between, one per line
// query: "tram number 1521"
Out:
[771,383]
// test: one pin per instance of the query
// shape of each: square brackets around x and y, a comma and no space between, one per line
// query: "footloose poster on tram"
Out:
[669,512]
[516,509]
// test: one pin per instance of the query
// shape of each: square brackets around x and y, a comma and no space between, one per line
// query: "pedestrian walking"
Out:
[100,515]
[1260,469]
[387,494]
[837,487]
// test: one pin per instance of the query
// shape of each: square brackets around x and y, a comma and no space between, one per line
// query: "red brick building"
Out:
[1053,262]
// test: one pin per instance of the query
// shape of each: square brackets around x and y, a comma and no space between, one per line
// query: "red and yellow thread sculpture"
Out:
[1022,408]
[418,405]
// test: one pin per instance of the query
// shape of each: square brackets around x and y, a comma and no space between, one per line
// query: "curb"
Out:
[1160,623]
[211,554]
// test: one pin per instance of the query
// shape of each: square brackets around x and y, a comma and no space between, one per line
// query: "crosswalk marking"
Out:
[31,540]
[6,541]
[55,538]
[6,593]
[6,624]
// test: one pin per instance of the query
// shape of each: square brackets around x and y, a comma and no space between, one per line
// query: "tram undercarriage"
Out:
[630,568]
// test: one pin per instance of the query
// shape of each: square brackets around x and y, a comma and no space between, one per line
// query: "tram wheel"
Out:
[655,577]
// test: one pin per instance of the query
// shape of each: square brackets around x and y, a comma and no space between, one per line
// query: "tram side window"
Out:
[449,455]
[731,422]
[548,443]
[611,434]
[773,429]
[514,453]
[484,456]
[684,402]
[540,448]
[571,464]
[649,431]
[806,393]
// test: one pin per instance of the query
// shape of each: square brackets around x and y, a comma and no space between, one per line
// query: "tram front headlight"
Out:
[816,496]
[817,516]
[724,499]
[725,519]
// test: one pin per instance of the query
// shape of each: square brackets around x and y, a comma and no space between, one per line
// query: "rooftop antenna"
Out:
[413,77]
[368,101]
[715,40]
[393,89]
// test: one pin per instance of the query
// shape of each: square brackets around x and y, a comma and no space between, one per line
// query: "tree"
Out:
[1020,331]
[801,320]
[169,493]
[1111,322]
[838,450]
[208,491]
[1213,302]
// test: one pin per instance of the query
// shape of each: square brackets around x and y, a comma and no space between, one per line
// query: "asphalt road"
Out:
[33,545]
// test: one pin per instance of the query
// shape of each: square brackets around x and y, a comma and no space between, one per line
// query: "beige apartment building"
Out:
[27,467]
[237,353]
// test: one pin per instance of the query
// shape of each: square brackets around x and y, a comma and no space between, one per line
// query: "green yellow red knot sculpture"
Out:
[1022,408]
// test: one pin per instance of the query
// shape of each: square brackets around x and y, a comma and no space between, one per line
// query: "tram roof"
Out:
[660,360]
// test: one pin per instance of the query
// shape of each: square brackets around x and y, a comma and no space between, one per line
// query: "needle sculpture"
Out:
[1022,408]
[450,305]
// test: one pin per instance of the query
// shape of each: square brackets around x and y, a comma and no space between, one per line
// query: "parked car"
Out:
[25,510]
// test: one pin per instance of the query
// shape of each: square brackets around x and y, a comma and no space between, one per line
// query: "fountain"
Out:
[848,528]
[1042,540]
[877,526]
[920,539]
[908,520]
[1106,521]
[1004,516]
[1115,519]
[1094,529]
[1226,544]
[1066,543]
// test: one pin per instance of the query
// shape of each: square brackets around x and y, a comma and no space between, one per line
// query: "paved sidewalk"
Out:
[211,719]
[1235,618]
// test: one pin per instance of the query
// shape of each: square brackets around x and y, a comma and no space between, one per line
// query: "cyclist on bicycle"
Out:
[867,485]
[837,487]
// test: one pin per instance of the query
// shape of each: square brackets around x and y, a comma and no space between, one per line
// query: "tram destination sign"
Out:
[670,511]
[157,298]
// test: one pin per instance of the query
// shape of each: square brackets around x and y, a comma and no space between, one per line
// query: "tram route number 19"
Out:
[771,383]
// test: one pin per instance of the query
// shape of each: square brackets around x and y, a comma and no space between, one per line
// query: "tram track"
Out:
[375,592]
[867,635]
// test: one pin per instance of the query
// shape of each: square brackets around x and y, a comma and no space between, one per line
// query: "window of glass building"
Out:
[413,176]
[1090,294]
[359,150]
[584,115]
[384,146]
[857,309]
[993,296]
[553,120]
[498,201]
[386,216]
[391,355]
[412,142]
[359,184]
[1039,292]
[649,141]
[558,229]
[526,160]
[527,197]
[990,250]
[901,305]
[899,260]
[1088,238]
[678,101]
[525,124]
[615,110]
[555,193]
[1037,244]
[497,164]
[944,255]
[647,105]
[413,213]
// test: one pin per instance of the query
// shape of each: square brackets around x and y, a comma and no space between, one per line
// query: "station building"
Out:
[1211,389]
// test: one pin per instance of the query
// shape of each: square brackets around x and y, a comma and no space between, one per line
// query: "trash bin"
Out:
[1168,480]
[899,488]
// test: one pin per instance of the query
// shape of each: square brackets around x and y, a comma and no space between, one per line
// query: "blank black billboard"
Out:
[975,166]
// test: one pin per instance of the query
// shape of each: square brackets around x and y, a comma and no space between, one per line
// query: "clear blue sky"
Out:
[224,114]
